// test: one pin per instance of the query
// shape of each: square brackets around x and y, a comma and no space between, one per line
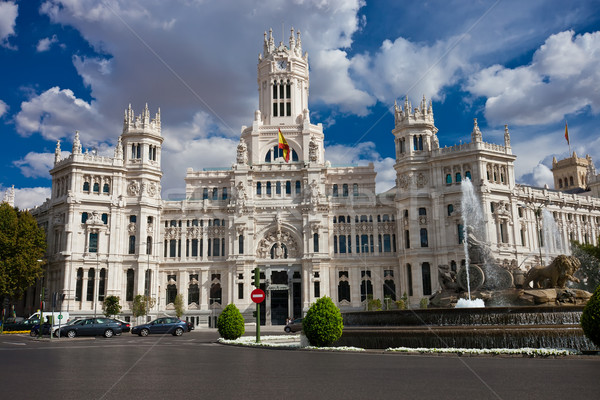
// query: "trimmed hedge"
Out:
[231,323]
[590,318]
[323,324]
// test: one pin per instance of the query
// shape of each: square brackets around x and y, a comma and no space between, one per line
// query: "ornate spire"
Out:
[76,144]
[9,196]
[57,157]
[476,134]
[292,40]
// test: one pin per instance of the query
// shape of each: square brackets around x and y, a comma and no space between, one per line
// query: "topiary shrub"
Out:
[231,323]
[590,318]
[323,324]
[424,303]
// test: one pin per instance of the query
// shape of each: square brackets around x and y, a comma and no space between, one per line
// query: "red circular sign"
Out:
[257,295]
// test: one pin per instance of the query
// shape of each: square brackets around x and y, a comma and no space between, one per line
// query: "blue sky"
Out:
[68,65]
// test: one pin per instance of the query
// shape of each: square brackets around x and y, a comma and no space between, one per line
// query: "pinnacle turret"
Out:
[57,152]
[476,136]
[142,122]
[423,114]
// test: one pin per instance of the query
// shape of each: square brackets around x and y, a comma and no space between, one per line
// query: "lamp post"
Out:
[537,211]
[42,304]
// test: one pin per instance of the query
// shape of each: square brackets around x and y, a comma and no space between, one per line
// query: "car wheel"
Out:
[56,333]
[71,334]
[144,332]
[108,333]
[33,334]
[287,329]
[178,332]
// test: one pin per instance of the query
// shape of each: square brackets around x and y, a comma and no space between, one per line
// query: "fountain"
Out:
[501,315]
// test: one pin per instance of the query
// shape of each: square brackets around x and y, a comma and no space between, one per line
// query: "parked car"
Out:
[171,325]
[92,327]
[294,326]
[190,326]
[125,326]
[25,325]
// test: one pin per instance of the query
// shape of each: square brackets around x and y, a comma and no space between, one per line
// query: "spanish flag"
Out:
[284,146]
[566,133]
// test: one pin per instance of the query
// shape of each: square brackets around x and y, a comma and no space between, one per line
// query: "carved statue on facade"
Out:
[313,149]
[242,153]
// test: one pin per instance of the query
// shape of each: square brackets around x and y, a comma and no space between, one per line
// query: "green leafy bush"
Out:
[231,323]
[374,304]
[323,324]
[401,304]
[424,303]
[590,318]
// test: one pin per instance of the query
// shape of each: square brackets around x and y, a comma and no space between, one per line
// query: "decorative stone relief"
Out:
[404,181]
[94,219]
[277,239]
[133,189]
[421,180]
[152,189]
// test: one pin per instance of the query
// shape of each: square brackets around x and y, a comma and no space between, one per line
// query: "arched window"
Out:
[298,187]
[258,188]
[343,287]
[102,285]
[389,289]
[268,188]
[426,275]
[288,187]
[194,294]
[424,239]
[105,218]
[448,179]
[90,284]
[132,244]
[571,181]
[458,178]
[450,209]
[96,187]
[335,190]
[560,185]
[409,279]
[84,217]
[215,194]
[86,186]
[345,190]
[468,175]
[422,211]
[106,188]
[366,287]
[149,245]
[171,293]
[79,284]
[129,288]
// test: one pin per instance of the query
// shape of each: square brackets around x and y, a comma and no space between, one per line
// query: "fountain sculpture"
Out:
[545,316]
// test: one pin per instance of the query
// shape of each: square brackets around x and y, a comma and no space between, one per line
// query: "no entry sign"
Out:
[257,295]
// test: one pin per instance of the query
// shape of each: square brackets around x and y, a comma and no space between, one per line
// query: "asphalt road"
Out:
[195,367]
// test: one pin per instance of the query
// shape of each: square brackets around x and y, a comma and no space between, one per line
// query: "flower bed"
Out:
[14,332]
[527,351]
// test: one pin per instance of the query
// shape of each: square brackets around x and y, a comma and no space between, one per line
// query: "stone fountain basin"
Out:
[493,327]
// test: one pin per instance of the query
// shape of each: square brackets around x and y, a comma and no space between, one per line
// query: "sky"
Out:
[75,65]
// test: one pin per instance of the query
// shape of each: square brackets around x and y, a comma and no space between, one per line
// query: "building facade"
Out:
[314,229]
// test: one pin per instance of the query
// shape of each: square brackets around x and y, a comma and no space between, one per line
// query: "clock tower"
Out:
[282,81]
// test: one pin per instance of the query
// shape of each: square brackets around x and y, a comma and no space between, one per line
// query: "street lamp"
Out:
[537,212]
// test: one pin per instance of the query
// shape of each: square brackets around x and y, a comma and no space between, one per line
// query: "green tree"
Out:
[111,306]
[589,272]
[323,323]
[22,244]
[178,304]
[590,318]
[231,323]
[142,305]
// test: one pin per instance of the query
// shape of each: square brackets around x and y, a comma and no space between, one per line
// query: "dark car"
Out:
[171,325]
[125,326]
[294,326]
[24,325]
[190,326]
[92,327]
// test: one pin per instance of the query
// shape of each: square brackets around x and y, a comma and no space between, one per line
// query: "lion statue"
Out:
[555,275]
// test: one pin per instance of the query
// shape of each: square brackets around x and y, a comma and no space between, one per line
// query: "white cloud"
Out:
[402,68]
[562,79]
[9,11]
[3,108]
[542,175]
[35,165]
[363,154]
[26,198]
[45,43]
[58,113]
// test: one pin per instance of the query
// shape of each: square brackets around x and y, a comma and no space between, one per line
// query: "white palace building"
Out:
[313,229]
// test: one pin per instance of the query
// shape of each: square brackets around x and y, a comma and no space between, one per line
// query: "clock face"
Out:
[281,64]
